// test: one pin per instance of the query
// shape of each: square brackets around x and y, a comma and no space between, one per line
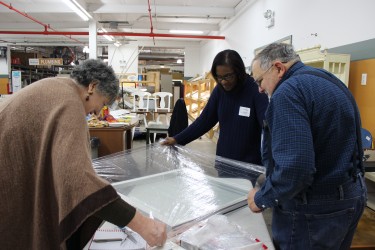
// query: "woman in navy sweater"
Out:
[238,107]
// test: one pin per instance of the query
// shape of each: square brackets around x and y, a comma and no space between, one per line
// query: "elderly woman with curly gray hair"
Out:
[51,196]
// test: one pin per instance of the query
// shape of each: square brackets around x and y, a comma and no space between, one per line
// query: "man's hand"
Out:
[251,203]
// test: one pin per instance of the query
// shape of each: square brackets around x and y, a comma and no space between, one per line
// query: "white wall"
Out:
[192,64]
[5,62]
[3,66]
[336,22]
[123,59]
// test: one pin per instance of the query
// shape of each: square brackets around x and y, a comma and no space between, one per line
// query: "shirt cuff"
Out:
[266,197]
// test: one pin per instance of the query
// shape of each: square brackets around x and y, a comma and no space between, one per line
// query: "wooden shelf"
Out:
[337,64]
[149,79]
[197,92]
[30,74]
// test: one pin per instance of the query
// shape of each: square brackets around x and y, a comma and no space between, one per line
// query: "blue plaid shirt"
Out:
[312,127]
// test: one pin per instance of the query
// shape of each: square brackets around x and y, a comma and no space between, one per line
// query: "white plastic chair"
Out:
[162,105]
[141,101]
[162,108]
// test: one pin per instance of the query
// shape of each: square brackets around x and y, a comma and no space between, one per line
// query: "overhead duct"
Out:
[68,34]
[113,25]
[85,33]
[46,27]
[156,55]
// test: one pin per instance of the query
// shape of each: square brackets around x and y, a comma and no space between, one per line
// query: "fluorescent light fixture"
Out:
[78,9]
[179,61]
[117,44]
[196,32]
[109,38]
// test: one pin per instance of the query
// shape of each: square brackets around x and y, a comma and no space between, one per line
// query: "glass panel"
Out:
[183,195]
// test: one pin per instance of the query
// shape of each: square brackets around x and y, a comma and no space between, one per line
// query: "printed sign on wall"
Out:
[45,61]
[16,81]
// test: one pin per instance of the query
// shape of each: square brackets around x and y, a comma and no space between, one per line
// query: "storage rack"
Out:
[337,64]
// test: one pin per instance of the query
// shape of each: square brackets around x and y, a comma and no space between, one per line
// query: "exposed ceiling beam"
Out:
[84,26]
[164,10]
[32,25]
[34,8]
[182,26]
[145,56]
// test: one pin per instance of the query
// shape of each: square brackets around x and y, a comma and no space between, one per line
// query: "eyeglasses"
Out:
[260,78]
[227,77]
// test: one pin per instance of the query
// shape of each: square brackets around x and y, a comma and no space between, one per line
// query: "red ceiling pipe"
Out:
[68,36]
[46,27]
[152,27]
[85,33]
[24,14]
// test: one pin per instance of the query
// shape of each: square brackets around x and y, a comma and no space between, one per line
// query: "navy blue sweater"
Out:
[240,135]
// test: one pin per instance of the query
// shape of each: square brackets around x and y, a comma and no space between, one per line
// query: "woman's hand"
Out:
[169,141]
[152,231]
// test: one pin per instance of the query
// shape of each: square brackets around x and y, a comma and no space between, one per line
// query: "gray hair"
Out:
[94,70]
[276,51]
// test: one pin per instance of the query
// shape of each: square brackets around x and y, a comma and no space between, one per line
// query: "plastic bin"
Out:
[95,142]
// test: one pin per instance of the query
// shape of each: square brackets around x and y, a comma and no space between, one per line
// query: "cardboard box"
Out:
[4,84]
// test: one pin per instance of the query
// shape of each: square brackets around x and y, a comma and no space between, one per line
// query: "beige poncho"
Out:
[48,187]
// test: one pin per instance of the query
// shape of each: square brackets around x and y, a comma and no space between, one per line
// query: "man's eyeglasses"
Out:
[227,77]
[260,78]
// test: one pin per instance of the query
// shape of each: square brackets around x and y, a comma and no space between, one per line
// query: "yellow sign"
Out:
[50,61]
[45,61]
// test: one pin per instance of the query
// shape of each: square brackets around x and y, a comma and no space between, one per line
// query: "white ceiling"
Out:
[131,16]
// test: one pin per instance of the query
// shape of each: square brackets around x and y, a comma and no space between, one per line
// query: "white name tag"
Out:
[244,111]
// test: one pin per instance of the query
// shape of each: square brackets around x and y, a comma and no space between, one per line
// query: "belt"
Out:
[351,188]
